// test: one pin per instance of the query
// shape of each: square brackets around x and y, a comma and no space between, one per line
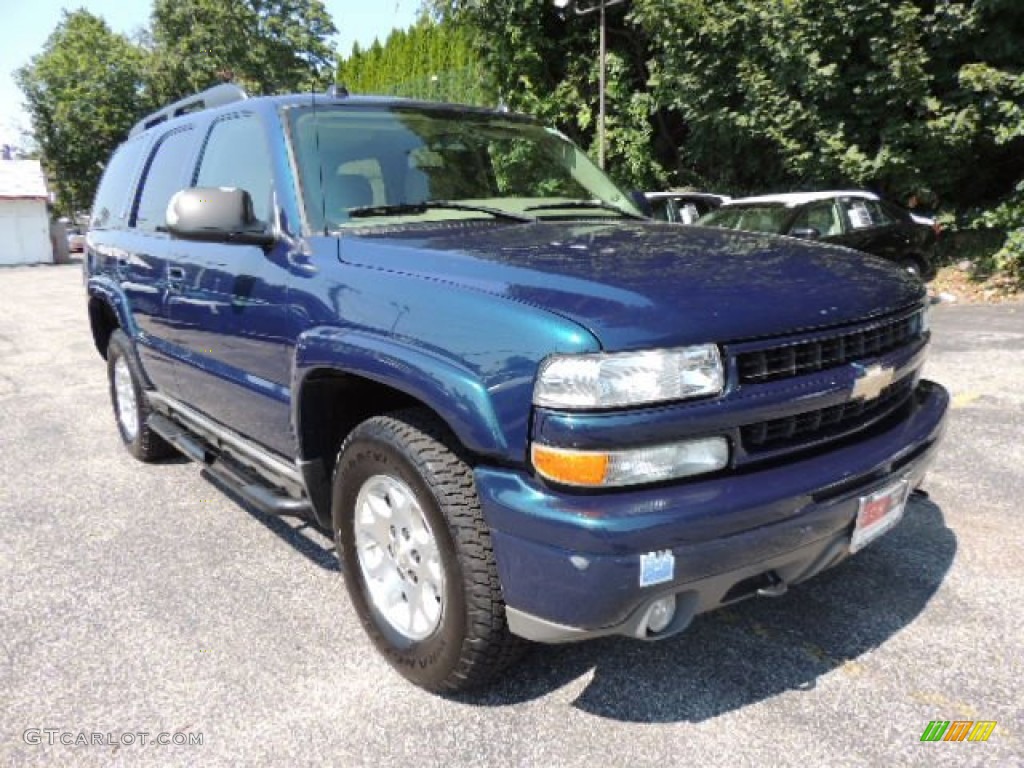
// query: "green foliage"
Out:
[267,46]
[88,86]
[803,93]
[1010,258]
[1008,216]
[83,92]
[428,61]
[902,96]
[544,62]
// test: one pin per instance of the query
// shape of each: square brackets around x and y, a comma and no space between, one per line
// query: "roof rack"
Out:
[217,96]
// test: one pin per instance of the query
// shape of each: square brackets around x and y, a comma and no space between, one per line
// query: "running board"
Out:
[246,485]
[218,438]
[264,498]
[179,437]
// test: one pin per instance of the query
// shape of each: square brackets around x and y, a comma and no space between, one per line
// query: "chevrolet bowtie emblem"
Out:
[871,381]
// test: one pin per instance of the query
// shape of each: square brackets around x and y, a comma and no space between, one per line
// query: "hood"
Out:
[644,284]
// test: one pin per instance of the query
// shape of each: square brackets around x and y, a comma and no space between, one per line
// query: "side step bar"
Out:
[259,494]
[220,440]
[179,437]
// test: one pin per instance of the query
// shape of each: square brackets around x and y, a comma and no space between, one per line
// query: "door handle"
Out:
[176,274]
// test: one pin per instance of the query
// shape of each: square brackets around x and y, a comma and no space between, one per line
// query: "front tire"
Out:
[131,408]
[417,554]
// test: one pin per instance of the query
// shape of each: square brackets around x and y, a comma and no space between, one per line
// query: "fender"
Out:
[108,291]
[454,392]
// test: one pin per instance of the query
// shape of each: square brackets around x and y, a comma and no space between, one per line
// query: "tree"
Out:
[430,60]
[544,62]
[267,46]
[881,93]
[83,92]
[762,95]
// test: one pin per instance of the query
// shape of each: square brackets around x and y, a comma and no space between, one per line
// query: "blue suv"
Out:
[523,410]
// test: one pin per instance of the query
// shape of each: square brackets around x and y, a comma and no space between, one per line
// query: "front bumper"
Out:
[570,562]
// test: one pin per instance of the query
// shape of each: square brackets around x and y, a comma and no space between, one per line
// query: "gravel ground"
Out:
[142,599]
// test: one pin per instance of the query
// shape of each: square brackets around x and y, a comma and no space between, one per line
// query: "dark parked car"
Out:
[683,207]
[859,220]
[522,409]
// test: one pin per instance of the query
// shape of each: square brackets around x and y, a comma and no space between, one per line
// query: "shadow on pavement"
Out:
[303,535]
[753,650]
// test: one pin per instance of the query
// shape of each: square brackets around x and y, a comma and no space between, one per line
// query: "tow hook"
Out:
[776,587]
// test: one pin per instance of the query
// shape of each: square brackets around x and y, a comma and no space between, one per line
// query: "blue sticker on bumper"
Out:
[657,567]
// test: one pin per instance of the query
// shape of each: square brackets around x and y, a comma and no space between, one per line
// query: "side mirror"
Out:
[216,215]
[639,199]
[807,233]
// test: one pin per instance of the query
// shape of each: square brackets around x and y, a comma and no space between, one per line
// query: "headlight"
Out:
[629,378]
[651,464]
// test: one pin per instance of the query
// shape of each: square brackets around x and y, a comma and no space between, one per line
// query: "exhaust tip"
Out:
[778,589]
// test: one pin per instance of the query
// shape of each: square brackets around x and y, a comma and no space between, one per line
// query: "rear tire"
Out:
[131,407]
[417,554]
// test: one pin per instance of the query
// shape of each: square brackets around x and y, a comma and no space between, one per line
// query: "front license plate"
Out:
[878,513]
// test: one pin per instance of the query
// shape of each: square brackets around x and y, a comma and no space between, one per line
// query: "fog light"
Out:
[661,613]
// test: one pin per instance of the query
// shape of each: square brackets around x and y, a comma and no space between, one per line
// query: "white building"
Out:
[24,222]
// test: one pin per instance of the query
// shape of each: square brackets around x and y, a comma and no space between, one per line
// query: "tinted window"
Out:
[892,212]
[236,155]
[110,208]
[880,214]
[166,175]
[659,208]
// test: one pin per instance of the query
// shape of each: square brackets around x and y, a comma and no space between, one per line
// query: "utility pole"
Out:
[583,10]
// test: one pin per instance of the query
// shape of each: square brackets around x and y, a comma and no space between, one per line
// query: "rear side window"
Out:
[165,176]
[863,214]
[880,214]
[114,196]
[236,155]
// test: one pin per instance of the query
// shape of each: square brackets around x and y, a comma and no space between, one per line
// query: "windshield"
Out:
[752,218]
[381,166]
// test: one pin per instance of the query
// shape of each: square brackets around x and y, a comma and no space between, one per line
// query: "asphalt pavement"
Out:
[139,599]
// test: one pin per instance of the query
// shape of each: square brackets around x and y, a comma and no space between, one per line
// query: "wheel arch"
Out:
[924,265]
[341,378]
[108,311]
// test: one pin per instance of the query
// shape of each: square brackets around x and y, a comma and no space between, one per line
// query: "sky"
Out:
[25,25]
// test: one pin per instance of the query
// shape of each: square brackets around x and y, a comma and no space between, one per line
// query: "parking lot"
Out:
[141,599]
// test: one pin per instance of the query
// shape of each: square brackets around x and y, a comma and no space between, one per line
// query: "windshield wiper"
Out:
[400,209]
[596,204]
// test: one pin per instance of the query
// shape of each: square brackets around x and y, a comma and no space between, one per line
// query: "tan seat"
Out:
[346,191]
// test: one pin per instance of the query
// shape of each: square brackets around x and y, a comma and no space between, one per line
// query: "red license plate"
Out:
[878,513]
